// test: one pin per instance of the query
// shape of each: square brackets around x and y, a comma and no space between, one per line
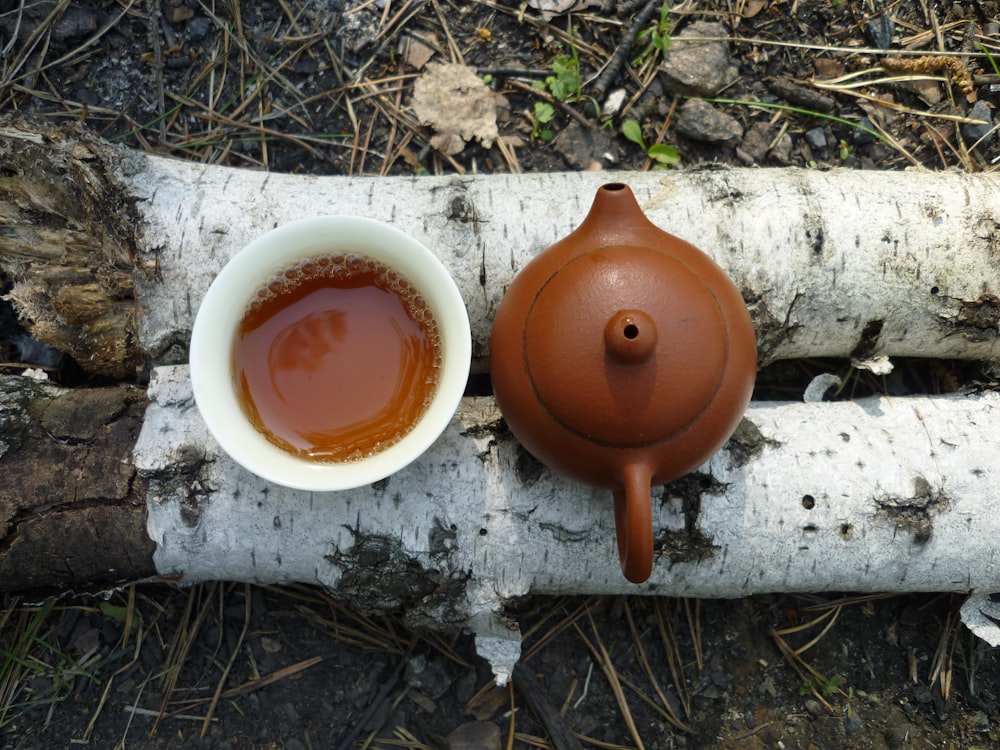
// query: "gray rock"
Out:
[816,138]
[700,121]
[757,141]
[429,676]
[75,23]
[198,28]
[782,151]
[852,723]
[863,137]
[981,722]
[696,68]
[972,132]
[815,708]
[879,31]
[581,147]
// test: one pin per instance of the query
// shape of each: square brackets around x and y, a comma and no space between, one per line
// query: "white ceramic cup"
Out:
[222,309]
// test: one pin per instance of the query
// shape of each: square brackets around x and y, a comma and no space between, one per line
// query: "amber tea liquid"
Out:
[336,358]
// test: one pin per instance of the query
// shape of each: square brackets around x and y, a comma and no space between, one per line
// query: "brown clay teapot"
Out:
[623,357]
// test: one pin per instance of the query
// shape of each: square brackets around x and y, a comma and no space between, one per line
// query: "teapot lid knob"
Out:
[630,336]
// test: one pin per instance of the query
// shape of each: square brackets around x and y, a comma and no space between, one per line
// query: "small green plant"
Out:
[564,83]
[661,153]
[656,37]
[827,689]
[540,117]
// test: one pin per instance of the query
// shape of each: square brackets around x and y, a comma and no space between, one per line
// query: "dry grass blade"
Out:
[17,637]
[140,634]
[277,675]
[182,642]
[667,709]
[43,30]
[403,738]
[672,649]
[603,659]
[568,621]
[942,666]
[821,686]
[694,624]
[229,664]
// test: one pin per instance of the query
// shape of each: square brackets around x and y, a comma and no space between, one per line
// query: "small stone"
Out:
[852,723]
[198,28]
[465,686]
[782,151]
[863,137]
[758,140]
[428,676]
[972,132]
[580,146]
[698,68]
[815,708]
[474,735]
[75,23]
[981,722]
[816,138]
[700,121]
[879,31]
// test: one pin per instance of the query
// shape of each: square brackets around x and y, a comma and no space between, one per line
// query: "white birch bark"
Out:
[840,263]
[880,494]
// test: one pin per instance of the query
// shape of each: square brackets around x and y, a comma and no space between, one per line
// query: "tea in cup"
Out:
[330,352]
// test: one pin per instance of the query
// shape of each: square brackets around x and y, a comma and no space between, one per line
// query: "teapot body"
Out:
[622,356]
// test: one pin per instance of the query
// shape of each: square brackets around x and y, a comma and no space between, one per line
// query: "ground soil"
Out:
[325,87]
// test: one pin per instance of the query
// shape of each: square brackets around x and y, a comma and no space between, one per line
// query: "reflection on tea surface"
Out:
[336,358]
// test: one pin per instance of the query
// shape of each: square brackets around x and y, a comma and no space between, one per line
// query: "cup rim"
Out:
[220,312]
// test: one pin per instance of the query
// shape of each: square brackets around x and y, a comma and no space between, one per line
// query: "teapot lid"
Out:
[626,346]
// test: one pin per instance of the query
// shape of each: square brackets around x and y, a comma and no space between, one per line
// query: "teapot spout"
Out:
[634,522]
[615,218]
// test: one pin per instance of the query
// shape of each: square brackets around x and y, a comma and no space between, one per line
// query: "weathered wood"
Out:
[72,509]
[66,243]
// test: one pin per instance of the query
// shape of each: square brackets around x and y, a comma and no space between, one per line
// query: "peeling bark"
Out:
[66,243]
[72,508]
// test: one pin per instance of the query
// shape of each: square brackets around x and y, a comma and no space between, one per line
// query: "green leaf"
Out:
[114,612]
[664,154]
[546,135]
[831,686]
[544,112]
[633,131]
[488,79]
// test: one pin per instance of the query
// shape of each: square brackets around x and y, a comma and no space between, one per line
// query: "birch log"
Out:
[842,263]
[879,494]
[875,495]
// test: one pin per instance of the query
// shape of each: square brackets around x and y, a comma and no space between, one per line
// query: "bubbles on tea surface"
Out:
[338,267]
